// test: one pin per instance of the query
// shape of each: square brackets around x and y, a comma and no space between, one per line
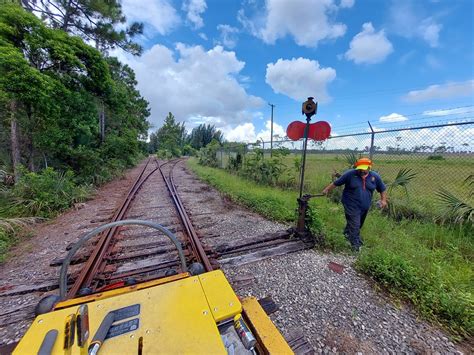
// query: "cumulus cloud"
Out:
[393,117]
[368,46]
[160,15]
[442,91]
[194,9]
[228,35]
[307,21]
[246,132]
[195,84]
[407,20]
[300,78]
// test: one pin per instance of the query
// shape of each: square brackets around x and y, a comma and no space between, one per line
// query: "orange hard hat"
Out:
[363,164]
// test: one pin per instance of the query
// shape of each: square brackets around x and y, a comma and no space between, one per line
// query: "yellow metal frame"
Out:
[178,314]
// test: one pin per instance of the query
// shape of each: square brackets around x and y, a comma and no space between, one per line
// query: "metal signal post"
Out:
[309,109]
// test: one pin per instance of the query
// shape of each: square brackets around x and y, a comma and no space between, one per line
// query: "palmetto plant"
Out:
[401,181]
[351,159]
[456,210]
[403,178]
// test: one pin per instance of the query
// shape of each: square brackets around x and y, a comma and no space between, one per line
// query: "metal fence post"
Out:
[371,150]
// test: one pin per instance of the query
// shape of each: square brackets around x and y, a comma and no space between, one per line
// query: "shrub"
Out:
[435,157]
[47,192]
[208,155]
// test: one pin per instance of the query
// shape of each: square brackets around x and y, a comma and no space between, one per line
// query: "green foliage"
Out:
[313,222]
[96,20]
[48,192]
[208,155]
[397,207]
[171,136]
[263,170]
[164,154]
[59,85]
[351,158]
[202,135]
[456,210]
[235,163]
[435,157]
[189,151]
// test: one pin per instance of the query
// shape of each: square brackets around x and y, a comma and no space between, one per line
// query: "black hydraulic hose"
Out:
[85,238]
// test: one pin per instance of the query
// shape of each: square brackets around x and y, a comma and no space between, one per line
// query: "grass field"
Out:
[428,264]
[432,175]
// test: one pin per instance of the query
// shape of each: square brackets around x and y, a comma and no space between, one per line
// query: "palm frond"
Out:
[351,158]
[455,209]
[403,177]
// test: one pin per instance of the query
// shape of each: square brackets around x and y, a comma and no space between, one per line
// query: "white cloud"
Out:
[202,35]
[449,112]
[346,3]
[194,9]
[407,20]
[158,14]
[429,31]
[300,78]
[246,132]
[442,91]
[393,117]
[369,46]
[308,21]
[228,36]
[194,84]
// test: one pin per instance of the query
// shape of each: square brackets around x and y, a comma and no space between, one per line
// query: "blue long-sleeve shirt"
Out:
[358,194]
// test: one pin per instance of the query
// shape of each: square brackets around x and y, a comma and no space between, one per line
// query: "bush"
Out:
[264,171]
[47,192]
[208,155]
[435,157]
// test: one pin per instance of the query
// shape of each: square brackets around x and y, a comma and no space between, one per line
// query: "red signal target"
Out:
[318,131]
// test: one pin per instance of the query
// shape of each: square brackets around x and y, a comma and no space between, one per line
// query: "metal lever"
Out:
[101,333]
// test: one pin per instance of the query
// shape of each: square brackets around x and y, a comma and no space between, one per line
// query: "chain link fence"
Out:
[439,156]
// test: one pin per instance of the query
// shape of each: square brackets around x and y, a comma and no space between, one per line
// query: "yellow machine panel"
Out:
[176,317]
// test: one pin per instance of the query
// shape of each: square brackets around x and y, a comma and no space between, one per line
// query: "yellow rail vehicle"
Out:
[179,314]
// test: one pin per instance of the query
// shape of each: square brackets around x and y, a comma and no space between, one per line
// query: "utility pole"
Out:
[271,131]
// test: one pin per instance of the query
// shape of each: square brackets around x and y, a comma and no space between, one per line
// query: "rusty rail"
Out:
[96,260]
[197,248]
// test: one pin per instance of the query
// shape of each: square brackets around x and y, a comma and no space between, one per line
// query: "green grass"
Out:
[428,264]
[432,175]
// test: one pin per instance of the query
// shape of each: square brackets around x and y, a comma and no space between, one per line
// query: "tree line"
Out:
[64,103]
[172,140]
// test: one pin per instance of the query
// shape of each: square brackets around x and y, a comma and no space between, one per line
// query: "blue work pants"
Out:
[355,218]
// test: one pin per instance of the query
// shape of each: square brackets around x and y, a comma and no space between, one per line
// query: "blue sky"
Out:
[395,63]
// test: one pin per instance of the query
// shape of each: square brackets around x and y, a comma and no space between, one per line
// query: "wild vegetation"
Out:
[171,139]
[70,115]
[426,263]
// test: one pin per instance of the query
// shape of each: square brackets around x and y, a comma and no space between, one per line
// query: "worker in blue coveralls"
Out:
[359,185]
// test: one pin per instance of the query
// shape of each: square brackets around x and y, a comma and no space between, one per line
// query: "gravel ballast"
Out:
[337,313]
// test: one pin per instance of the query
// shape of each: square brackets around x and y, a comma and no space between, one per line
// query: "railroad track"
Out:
[130,254]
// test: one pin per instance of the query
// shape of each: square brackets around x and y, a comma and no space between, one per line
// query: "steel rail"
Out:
[82,240]
[197,248]
[96,259]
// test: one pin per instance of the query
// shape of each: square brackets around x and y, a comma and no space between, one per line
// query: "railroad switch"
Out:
[302,229]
